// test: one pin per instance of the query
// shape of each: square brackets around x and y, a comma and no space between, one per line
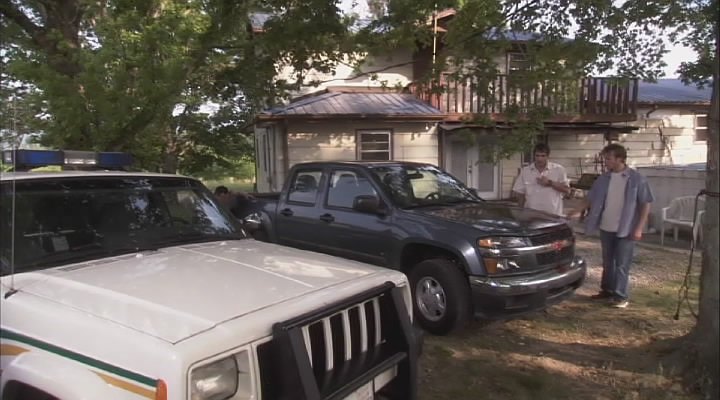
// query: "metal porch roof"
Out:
[672,91]
[370,104]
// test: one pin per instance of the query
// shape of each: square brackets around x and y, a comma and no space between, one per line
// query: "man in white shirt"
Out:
[542,184]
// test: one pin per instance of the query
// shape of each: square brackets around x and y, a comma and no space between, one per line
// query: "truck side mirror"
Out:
[252,222]
[367,204]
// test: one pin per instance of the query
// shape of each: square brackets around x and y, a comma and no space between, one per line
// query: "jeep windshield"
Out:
[62,220]
[412,186]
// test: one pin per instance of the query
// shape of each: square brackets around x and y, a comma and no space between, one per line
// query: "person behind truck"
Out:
[235,202]
[542,184]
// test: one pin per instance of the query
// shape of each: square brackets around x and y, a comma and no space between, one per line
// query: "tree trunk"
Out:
[706,332]
[170,164]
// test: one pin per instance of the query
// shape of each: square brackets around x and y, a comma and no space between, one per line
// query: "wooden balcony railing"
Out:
[588,99]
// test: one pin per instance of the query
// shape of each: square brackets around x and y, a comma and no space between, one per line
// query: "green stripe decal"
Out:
[79,358]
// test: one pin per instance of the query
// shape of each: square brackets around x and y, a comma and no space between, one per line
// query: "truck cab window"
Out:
[304,186]
[345,186]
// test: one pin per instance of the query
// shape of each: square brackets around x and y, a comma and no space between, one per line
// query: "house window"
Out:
[374,145]
[517,62]
[701,128]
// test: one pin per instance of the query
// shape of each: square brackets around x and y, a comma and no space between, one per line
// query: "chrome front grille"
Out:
[564,255]
[552,236]
[564,238]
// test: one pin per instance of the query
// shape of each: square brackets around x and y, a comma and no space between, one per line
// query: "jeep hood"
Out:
[177,292]
[495,218]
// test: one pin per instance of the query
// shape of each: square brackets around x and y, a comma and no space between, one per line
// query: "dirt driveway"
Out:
[580,349]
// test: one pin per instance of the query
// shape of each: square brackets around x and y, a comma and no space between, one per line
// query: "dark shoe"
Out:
[619,303]
[601,296]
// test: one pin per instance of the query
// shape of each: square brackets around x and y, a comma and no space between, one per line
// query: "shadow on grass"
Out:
[480,369]
[580,349]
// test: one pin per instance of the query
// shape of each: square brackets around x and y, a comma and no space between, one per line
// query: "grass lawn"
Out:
[579,349]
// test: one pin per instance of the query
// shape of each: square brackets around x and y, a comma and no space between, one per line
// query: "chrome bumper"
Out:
[515,285]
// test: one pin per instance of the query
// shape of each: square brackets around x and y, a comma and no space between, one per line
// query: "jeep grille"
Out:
[330,353]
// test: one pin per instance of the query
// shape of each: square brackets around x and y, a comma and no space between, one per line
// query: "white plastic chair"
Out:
[680,213]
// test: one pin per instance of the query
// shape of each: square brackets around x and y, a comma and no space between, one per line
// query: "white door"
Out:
[465,163]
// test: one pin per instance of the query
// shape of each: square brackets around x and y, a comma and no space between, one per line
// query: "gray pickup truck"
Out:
[464,256]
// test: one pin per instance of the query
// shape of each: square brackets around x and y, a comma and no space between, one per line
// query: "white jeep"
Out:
[120,285]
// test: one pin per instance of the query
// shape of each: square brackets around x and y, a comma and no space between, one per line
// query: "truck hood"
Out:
[495,218]
[177,292]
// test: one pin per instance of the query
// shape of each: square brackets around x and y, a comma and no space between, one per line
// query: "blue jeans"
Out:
[617,255]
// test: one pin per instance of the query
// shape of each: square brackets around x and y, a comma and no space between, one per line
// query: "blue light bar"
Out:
[24,159]
[33,158]
[109,159]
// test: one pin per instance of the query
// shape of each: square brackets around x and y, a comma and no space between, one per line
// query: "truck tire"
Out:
[441,296]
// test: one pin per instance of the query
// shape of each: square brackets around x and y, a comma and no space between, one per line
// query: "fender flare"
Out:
[268,226]
[56,376]
[464,254]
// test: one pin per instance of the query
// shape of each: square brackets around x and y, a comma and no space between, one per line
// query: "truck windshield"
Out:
[62,220]
[415,186]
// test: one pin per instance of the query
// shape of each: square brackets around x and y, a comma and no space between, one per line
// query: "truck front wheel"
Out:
[441,296]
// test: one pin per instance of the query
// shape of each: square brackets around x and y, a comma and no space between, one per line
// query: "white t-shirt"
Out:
[538,197]
[614,201]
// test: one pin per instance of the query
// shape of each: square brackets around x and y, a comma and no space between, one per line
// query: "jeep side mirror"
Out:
[367,204]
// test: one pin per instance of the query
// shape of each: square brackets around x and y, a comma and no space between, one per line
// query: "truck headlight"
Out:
[215,381]
[503,242]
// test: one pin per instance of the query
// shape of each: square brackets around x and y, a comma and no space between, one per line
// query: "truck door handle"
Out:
[327,218]
[287,212]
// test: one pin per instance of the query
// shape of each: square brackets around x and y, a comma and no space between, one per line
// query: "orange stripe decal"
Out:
[119,383]
[11,350]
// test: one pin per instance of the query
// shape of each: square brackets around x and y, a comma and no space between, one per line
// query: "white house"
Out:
[381,112]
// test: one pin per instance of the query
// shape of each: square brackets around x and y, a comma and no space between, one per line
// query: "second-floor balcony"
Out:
[590,99]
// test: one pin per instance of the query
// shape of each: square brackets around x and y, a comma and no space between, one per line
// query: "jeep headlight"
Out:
[503,242]
[215,381]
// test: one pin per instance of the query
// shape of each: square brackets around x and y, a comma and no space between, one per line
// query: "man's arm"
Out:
[561,187]
[518,190]
[519,197]
[645,199]
[579,211]
[644,212]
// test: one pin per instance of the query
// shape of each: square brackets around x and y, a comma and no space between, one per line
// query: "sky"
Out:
[677,55]
[673,59]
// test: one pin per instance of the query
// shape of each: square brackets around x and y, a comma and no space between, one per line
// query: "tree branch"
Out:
[12,13]
[358,75]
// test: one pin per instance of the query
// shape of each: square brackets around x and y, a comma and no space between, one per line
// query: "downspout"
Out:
[441,145]
[654,108]
[434,53]
[663,138]
[285,151]
[440,136]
